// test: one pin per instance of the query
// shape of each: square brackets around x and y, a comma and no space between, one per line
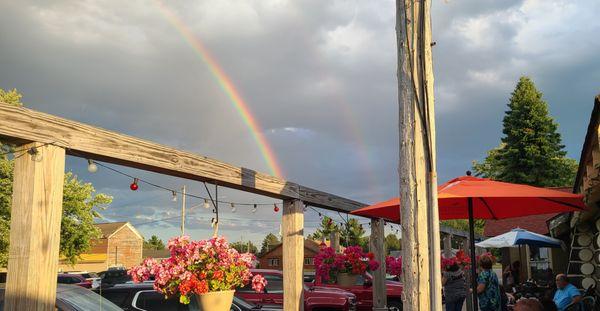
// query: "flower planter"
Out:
[346,279]
[216,301]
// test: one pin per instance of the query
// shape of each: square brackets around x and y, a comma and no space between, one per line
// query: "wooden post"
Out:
[448,245]
[293,255]
[334,241]
[35,228]
[417,171]
[378,248]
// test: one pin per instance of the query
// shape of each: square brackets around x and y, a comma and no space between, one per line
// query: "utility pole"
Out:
[183,210]
[417,171]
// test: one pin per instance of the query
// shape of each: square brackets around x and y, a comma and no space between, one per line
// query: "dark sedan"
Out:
[74,298]
[142,297]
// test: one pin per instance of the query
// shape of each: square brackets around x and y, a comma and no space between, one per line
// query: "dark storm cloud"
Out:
[318,75]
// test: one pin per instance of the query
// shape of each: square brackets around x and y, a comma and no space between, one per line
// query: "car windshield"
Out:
[84,300]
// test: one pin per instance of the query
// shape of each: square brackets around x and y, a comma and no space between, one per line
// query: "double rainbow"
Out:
[227,86]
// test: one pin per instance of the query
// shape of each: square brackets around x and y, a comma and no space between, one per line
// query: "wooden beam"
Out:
[35,229]
[82,140]
[378,249]
[293,255]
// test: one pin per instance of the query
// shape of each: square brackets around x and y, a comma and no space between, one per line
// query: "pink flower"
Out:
[259,283]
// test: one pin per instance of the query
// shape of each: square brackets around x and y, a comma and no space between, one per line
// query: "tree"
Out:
[392,243]
[245,247]
[154,243]
[12,97]
[531,151]
[268,242]
[80,202]
[327,227]
[463,225]
[353,233]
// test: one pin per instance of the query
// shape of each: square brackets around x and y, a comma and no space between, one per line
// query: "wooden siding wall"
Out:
[128,248]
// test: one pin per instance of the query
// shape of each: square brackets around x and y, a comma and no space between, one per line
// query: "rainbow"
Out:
[227,86]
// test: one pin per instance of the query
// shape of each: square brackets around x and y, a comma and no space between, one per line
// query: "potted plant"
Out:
[344,268]
[206,270]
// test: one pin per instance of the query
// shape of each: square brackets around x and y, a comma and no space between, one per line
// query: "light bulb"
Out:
[92,167]
[174,196]
[254,209]
[206,204]
[134,185]
[233,209]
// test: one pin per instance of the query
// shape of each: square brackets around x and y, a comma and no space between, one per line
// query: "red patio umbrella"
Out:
[469,197]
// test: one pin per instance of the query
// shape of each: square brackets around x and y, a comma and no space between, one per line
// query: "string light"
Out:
[233,209]
[92,167]
[213,222]
[275,208]
[254,208]
[134,185]
[206,204]
[174,196]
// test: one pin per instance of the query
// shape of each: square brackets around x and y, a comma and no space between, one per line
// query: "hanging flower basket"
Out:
[346,279]
[206,270]
[343,268]
[218,301]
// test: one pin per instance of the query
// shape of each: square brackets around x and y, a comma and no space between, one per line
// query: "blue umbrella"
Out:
[517,237]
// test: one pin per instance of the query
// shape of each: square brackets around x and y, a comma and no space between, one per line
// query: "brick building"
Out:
[120,244]
[273,258]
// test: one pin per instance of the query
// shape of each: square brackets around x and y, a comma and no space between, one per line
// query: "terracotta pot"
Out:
[346,279]
[216,301]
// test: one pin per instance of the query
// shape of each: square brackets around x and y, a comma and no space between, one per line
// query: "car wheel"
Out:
[395,305]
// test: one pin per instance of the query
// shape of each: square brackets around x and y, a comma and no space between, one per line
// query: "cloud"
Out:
[319,77]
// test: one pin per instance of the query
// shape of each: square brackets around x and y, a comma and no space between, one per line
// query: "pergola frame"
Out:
[37,199]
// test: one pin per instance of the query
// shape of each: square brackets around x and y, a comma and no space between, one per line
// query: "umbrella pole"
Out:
[472,246]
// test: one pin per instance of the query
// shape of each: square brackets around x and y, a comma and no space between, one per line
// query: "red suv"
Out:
[76,279]
[363,289]
[315,298]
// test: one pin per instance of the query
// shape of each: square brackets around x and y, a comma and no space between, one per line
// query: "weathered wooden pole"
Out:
[378,248]
[35,228]
[292,232]
[417,170]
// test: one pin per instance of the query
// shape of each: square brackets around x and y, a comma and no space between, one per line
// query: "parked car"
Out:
[143,297]
[75,279]
[74,298]
[114,276]
[363,289]
[90,276]
[315,298]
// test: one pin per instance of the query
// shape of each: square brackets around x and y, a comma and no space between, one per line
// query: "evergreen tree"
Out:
[245,247]
[154,243]
[327,226]
[531,151]
[353,233]
[269,241]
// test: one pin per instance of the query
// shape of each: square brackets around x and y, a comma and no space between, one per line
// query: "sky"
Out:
[319,78]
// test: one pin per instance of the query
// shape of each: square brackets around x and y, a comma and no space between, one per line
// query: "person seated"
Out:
[566,294]
[528,304]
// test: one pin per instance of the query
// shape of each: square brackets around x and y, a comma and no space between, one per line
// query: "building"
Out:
[120,244]
[581,229]
[273,258]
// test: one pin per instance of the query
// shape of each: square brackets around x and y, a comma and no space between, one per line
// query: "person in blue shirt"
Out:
[566,293]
